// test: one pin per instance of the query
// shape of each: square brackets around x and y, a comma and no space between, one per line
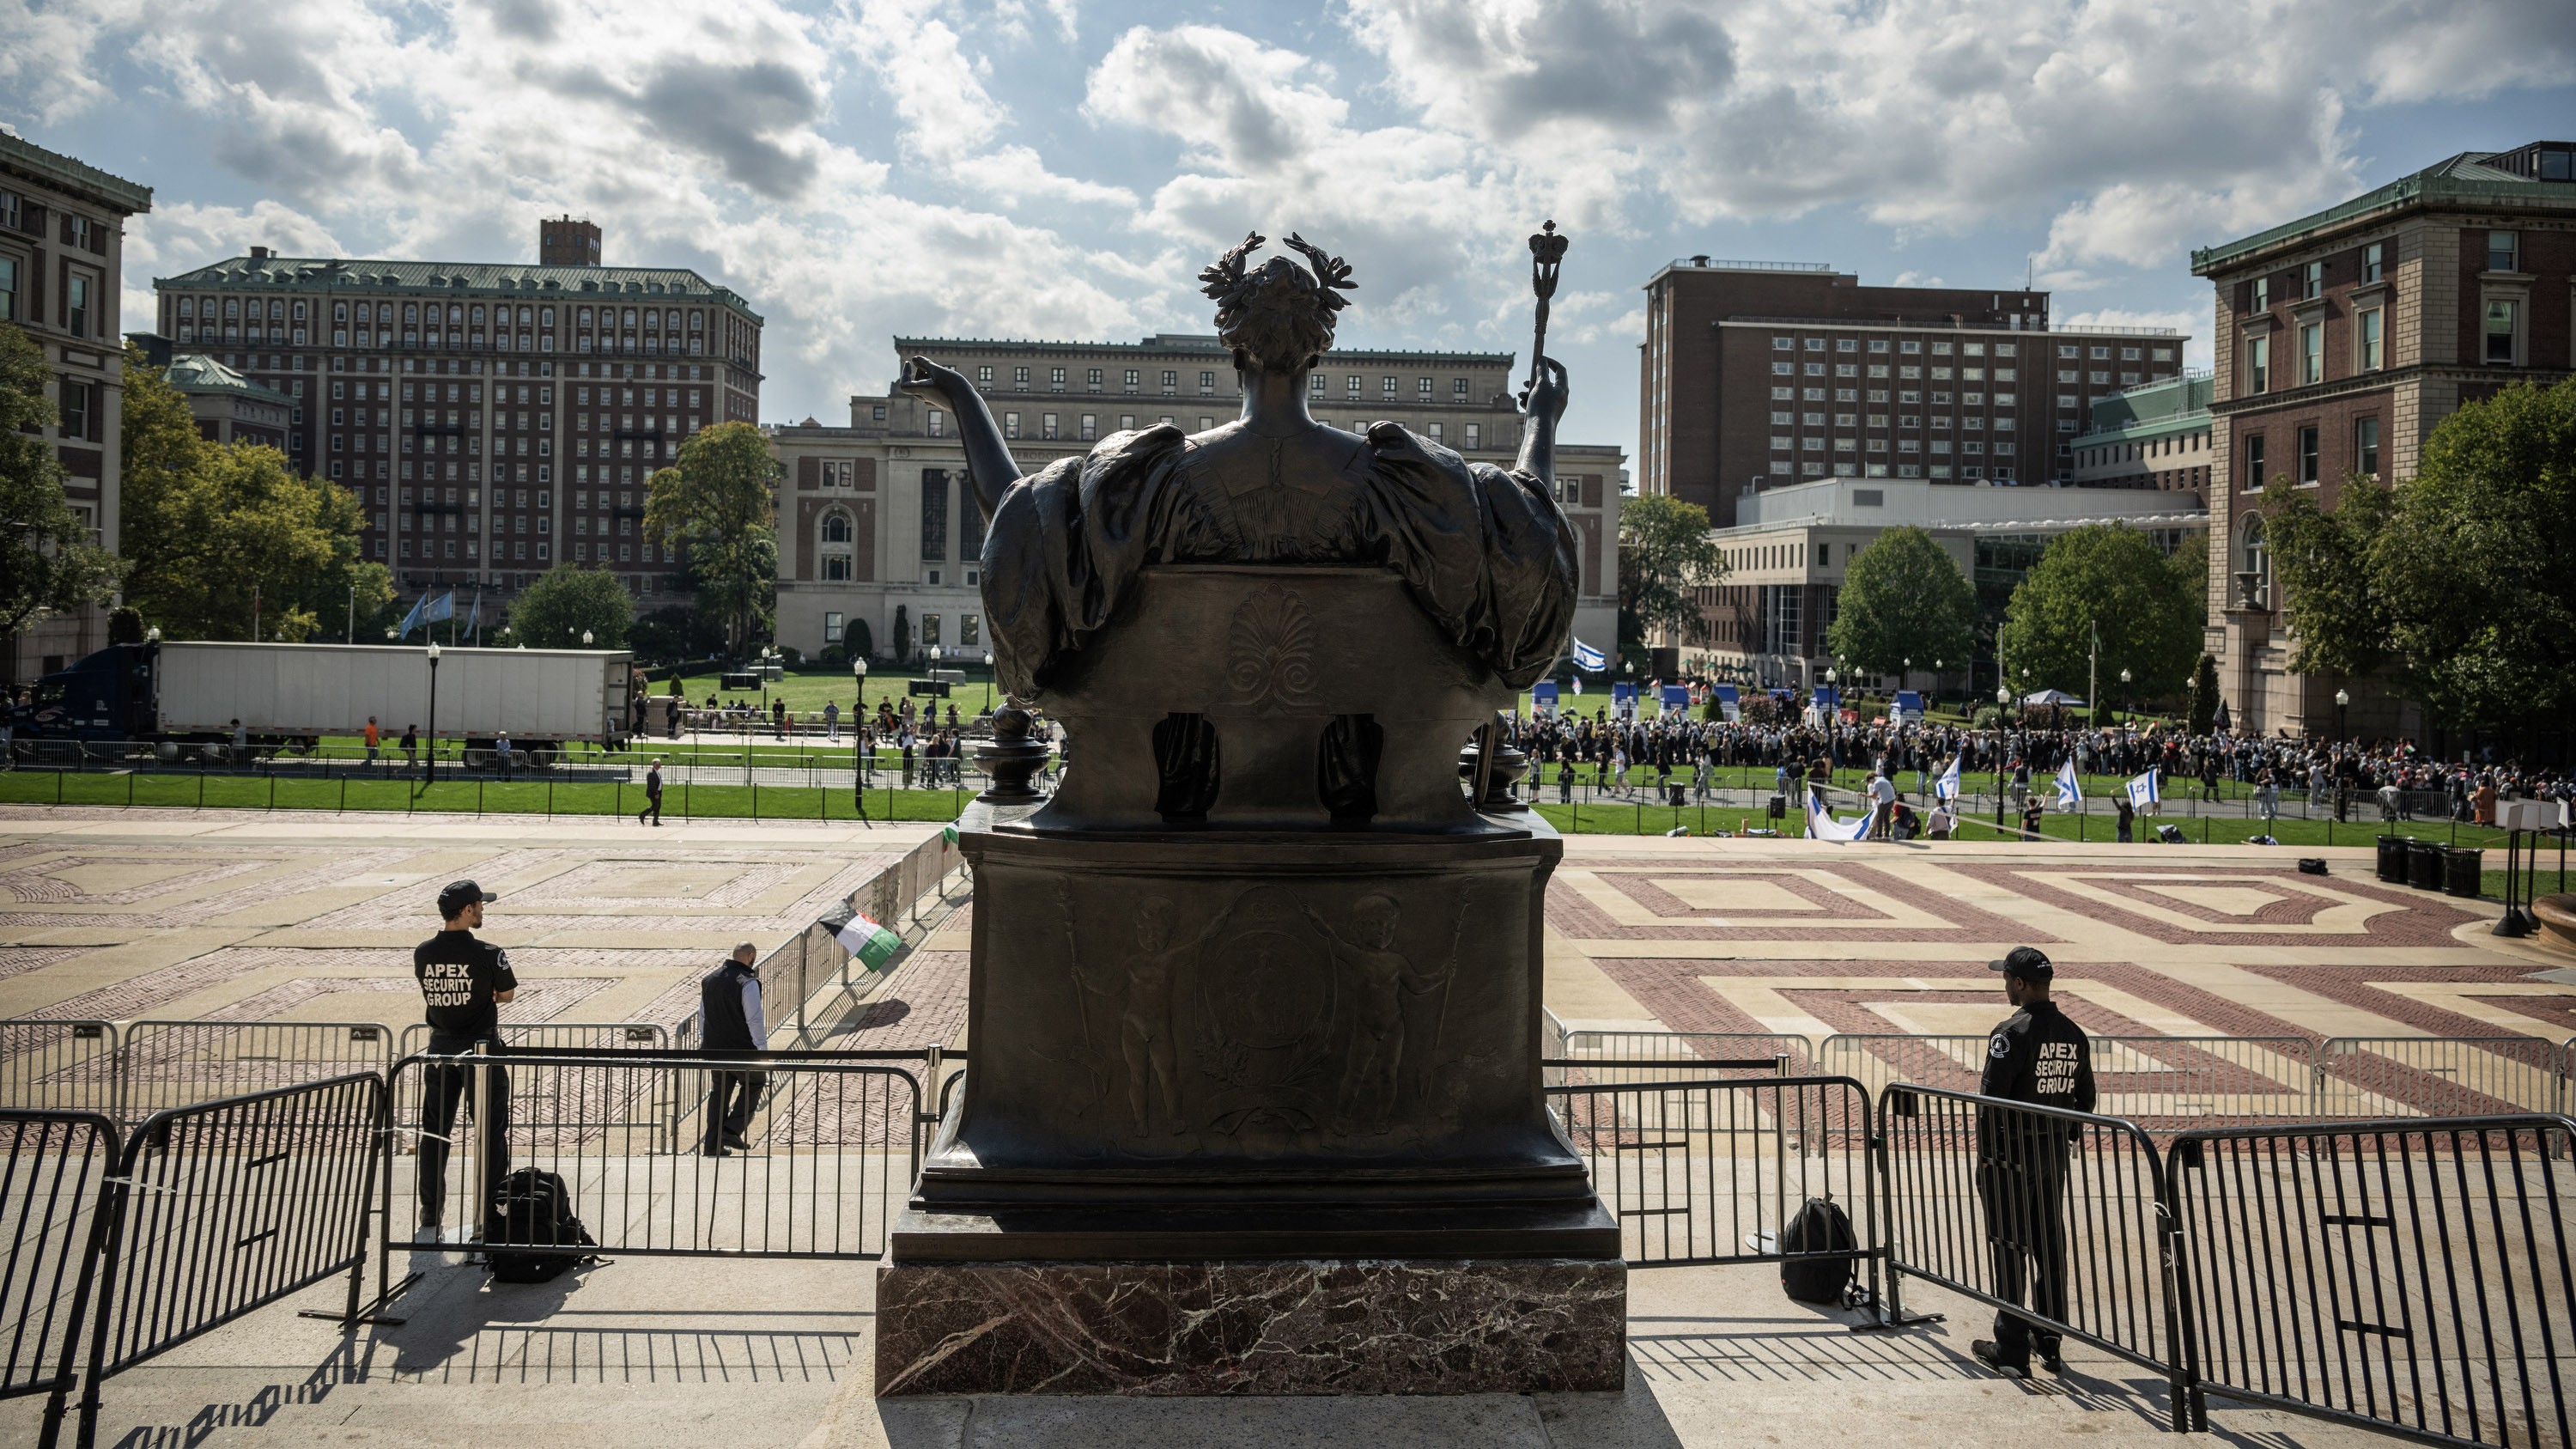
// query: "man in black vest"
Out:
[463,984]
[729,1021]
[2038,1055]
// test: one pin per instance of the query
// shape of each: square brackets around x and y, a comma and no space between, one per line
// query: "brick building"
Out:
[496,418]
[1763,374]
[877,523]
[2345,337]
[230,408]
[2156,436]
[62,260]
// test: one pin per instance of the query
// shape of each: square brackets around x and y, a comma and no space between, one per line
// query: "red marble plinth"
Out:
[1416,1326]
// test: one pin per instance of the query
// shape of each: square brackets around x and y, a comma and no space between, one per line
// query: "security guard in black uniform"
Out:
[2037,1055]
[463,982]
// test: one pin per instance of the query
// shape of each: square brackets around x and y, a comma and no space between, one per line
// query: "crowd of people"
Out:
[1642,756]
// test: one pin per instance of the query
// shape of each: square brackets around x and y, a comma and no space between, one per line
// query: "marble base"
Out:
[1414,1326]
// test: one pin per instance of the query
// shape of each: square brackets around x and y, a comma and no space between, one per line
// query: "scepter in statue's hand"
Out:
[1547,256]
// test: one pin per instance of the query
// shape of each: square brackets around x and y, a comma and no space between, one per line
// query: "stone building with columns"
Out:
[2342,340]
[878,535]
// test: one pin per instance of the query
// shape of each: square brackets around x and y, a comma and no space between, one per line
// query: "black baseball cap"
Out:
[459,894]
[2027,962]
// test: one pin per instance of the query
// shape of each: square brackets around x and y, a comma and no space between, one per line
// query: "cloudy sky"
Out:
[1061,168]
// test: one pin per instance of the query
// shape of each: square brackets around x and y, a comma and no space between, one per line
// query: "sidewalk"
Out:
[644,1353]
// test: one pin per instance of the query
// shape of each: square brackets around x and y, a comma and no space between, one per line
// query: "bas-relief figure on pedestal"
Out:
[1258,988]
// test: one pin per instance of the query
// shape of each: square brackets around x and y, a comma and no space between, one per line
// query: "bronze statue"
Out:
[1487,552]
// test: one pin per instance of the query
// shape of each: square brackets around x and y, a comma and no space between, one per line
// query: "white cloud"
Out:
[2194,325]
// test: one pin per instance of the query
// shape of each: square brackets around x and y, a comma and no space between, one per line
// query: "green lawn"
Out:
[470,797]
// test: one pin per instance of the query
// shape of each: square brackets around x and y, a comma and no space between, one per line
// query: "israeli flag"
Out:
[1587,657]
[1821,824]
[2069,793]
[1947,787]
[2143,791]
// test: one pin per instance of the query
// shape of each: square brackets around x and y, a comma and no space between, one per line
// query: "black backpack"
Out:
[531,1207]
[1819,1227]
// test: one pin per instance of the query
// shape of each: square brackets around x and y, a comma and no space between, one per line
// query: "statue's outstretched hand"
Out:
[1547,397]
[932,383]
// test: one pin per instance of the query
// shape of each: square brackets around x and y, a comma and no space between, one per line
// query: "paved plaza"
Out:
[256,918]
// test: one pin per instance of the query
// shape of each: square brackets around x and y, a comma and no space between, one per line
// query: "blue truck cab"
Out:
[108,695]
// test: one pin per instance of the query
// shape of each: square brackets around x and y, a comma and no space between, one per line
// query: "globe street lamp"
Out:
[858,733]
[2003,697]
[430,773]
[988,681]
[585,638]
[2343,701]
[2124,691]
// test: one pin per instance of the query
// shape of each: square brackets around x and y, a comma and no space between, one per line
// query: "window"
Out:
[2312,353]
[2312,281]
[1878,344]
[1909,346]
[1090,426]
[930,627]
[1351,384]
[2373,261]
[1092,380]
[2308,454]
[1815,344]
[1010,425]
[1386,386]
[2254,557]
[8,289]
[1784,344]
[1207,383]
[1475,435]
[1132,377]
[1020,378]
[2365,446]
[1171,381]
[831,626]
[76,305]
[1783,369]
[2258,364]
[1055,379]
[2501,319]
[1457,387]
[2366,340]
[2502,251]
[1046,425]
[2254,463]
[1314,384]
[2261,290]
[78,411]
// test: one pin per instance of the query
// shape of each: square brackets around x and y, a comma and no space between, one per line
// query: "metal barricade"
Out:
[1712,1171]
[2408,1275]
[54,1187]
[2166,1081]
[1954,1063]
[59,1066]
[831,1149]
[1620,1058]
[225,1207]
[537,1094]
[2371,1077]
[2057,1216]
[163,1065]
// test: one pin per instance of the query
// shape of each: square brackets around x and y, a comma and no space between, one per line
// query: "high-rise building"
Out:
[62,259]
[495,418]
[878,532]
[1762,374]
[2345,337]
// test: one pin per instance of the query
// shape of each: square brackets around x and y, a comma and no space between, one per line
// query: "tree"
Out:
[676,632]
[2204,695]
[2322,562]
[1664,553]
[858,642]
[568,601]
[1903,598]
[716,500]
[47,561]
[214,536]
[2111,577]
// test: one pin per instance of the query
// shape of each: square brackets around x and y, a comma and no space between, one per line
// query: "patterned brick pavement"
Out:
[1812,939]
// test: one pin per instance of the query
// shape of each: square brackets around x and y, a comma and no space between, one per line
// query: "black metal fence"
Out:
[779,1155]
[223,1208]
[2410,1276]
[54,1185]
[1712,1171]
[2059,1216]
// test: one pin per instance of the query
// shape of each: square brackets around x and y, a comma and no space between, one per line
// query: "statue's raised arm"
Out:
[988,457]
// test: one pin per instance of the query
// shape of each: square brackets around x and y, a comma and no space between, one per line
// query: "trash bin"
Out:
[1677,795]
[2423,865]
[2463,870]
[2392,858]
[1779,807]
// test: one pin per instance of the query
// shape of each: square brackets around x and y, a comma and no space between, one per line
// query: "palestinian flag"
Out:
[873,944]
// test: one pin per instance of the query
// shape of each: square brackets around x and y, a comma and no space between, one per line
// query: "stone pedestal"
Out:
[1292,1327]
[1253,1100]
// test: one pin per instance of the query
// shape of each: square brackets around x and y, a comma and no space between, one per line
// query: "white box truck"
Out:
[183,696]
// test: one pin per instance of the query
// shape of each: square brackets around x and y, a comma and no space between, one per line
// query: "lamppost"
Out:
[2124,691]
[988,681]
[430,773]
[858,733]
[2003,696]
[585,638]
[1933,691]
[2343,794]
